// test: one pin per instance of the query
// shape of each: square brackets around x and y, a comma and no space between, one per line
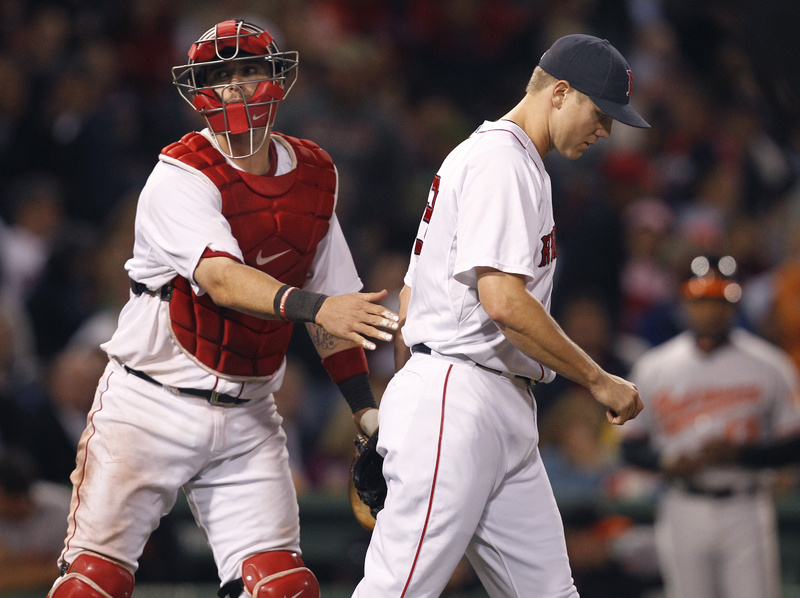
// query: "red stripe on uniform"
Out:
[433,485]
[74,513]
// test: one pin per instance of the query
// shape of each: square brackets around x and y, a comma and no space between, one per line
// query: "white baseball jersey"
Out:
[171,236]
[462,466]
[143,443]
[747,391]
[498,214]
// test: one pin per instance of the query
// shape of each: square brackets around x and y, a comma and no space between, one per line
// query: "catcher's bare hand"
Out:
[358,315]
[366,421]
[620,397]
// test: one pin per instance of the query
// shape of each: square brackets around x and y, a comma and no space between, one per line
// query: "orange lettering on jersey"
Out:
[745,430]
[678,412]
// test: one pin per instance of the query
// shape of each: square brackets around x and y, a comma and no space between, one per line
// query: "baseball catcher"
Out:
[236,241]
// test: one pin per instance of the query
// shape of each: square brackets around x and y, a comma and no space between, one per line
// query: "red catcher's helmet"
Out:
[229,42]
[713,279]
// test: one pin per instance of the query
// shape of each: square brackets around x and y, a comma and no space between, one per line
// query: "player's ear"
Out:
[559,95]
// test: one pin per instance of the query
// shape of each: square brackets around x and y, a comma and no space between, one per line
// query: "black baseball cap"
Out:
[594,67]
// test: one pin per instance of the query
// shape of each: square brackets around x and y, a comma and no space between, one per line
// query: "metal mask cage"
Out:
[190,79]
[226,44]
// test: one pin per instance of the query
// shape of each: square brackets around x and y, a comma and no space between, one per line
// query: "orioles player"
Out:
[458,421]
[721,406]
[236,238]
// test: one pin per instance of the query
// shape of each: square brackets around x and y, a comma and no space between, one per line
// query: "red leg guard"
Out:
[93,576]
[278,574]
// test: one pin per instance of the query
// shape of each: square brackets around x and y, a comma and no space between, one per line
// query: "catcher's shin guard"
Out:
[93,576]
[277,574]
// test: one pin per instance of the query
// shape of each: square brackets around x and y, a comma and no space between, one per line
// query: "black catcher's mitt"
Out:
[368,487]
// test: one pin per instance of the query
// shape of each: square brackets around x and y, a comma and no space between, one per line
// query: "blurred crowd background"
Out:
[388,88]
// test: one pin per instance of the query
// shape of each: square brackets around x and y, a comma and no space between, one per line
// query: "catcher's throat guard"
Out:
[367,485]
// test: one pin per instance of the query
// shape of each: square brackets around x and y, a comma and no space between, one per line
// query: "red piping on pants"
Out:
[74,513]
[433,485]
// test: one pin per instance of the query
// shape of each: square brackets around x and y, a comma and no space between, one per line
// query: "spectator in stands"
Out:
[52,430]
[32,525]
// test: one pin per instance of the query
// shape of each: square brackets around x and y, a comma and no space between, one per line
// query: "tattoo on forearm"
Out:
[322,338]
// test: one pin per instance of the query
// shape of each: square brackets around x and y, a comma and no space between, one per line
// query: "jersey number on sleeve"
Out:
[426,217]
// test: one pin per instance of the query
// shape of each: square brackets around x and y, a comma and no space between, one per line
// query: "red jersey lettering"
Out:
[549,252]
[426,216]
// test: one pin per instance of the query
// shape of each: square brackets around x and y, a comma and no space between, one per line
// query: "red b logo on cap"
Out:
[630,82]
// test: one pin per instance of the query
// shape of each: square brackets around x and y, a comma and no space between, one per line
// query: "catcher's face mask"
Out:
[231,107]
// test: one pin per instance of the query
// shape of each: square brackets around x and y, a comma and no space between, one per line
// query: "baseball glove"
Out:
[367,484]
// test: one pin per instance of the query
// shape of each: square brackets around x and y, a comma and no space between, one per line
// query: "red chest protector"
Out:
[278,222]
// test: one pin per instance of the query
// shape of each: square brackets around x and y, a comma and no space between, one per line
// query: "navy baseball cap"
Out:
[594,67]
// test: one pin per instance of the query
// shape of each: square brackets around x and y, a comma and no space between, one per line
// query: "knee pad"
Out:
[278,574]
[93,576]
